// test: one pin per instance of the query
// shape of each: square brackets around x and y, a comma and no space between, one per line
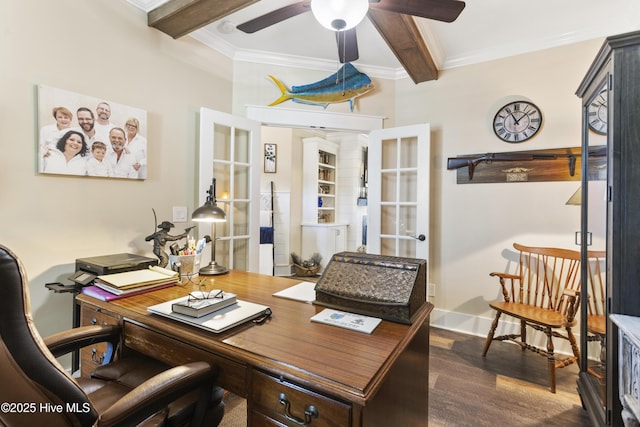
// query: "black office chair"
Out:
[130,391]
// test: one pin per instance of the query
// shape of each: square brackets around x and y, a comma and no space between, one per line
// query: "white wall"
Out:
[101,48]
[286,197]
[474,225]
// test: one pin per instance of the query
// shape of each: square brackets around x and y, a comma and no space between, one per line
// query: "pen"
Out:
[200,246]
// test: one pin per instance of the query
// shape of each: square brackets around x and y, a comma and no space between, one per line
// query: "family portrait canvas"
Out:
[87,136]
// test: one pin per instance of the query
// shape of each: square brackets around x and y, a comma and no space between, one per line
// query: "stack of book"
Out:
[213,311]
[119,285]
[201,303]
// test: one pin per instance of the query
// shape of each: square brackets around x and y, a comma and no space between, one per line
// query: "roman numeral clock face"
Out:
[517,121]
[597,111]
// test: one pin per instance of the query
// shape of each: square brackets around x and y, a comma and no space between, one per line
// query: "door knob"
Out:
[421,237]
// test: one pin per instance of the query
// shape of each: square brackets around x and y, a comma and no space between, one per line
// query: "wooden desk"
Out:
[351,378]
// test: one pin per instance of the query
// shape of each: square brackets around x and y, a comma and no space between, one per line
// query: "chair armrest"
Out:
[65,342]
[573,303]
[158,391]
[504,275]
[571,292]
[503,278]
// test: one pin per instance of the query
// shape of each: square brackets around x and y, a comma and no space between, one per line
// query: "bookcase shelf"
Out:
[319,187]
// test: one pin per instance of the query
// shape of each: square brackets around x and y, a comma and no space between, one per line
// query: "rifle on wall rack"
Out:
[549,158]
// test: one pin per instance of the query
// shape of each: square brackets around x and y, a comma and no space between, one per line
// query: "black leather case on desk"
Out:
[392,288]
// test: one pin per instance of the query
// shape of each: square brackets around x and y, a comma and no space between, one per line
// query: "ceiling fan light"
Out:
[339,15]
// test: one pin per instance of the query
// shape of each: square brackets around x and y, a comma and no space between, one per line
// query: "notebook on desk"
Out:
[218,321]
[153,275]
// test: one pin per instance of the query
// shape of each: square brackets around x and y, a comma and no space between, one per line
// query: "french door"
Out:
[229,152]
[398,208]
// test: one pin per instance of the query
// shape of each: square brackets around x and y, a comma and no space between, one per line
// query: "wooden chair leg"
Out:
[574,344]
[492,332]
[523,334]
[551,361]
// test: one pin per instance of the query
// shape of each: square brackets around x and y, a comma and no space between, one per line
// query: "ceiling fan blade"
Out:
[440,10]
[347,45]
[278,15]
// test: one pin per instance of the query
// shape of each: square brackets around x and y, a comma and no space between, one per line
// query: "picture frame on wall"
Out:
[87,136]
[270,158]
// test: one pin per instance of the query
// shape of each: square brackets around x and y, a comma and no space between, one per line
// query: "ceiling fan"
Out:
[392,18]
[339,19]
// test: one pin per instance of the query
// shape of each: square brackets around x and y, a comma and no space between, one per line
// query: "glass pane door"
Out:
[399,192]
[229,146]
[593,240]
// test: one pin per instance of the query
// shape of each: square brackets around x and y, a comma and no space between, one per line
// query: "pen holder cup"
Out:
[185,265]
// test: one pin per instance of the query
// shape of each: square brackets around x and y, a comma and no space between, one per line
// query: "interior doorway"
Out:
[282,196]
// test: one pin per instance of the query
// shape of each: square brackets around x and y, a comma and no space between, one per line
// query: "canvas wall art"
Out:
[87,136]
[270,158]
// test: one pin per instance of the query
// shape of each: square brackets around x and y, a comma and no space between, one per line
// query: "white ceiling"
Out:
[485,30]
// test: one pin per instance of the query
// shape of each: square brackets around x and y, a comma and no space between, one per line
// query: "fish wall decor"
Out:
[345,85]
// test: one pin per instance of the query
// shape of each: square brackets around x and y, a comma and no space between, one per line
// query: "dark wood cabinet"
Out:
[614,78]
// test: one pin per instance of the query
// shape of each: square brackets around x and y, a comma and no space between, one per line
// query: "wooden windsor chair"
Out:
[544,295]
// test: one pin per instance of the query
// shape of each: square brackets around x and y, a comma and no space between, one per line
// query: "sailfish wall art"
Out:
[345,85]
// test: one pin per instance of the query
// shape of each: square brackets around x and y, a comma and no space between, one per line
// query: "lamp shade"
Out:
[576,198]
[339,15]
[209,212]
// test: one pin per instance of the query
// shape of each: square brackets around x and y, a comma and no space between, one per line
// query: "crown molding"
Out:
[505,51]
[147,5]
[209,39]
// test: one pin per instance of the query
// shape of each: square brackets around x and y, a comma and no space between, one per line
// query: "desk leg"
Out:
[75,355]
[74,290]
[403,399]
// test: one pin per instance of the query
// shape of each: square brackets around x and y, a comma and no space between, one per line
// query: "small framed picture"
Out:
[270,157]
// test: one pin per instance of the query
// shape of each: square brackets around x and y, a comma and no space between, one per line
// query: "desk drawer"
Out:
[172,351]
[291,405]
[91,357]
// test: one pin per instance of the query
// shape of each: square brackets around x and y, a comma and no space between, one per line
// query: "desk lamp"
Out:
[210,212]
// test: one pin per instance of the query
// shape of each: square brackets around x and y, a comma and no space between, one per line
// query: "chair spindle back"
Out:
[545,276]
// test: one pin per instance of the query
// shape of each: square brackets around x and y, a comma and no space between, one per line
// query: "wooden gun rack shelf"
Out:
[555,164]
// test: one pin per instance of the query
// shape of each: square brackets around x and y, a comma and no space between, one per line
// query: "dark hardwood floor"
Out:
[508,388]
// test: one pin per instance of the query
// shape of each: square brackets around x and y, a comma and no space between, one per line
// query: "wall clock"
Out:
[517,121]
[597,113]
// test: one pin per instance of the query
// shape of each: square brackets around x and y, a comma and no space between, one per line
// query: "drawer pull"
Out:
[98,360]
[309,413]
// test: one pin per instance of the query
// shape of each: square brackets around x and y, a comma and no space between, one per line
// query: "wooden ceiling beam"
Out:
[178,18]
[402,35]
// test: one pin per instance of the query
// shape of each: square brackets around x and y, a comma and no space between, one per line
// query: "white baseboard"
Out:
[479,326]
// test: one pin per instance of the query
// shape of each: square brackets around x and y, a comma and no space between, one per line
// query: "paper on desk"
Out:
[303,291]
[136,278]
[356,322]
